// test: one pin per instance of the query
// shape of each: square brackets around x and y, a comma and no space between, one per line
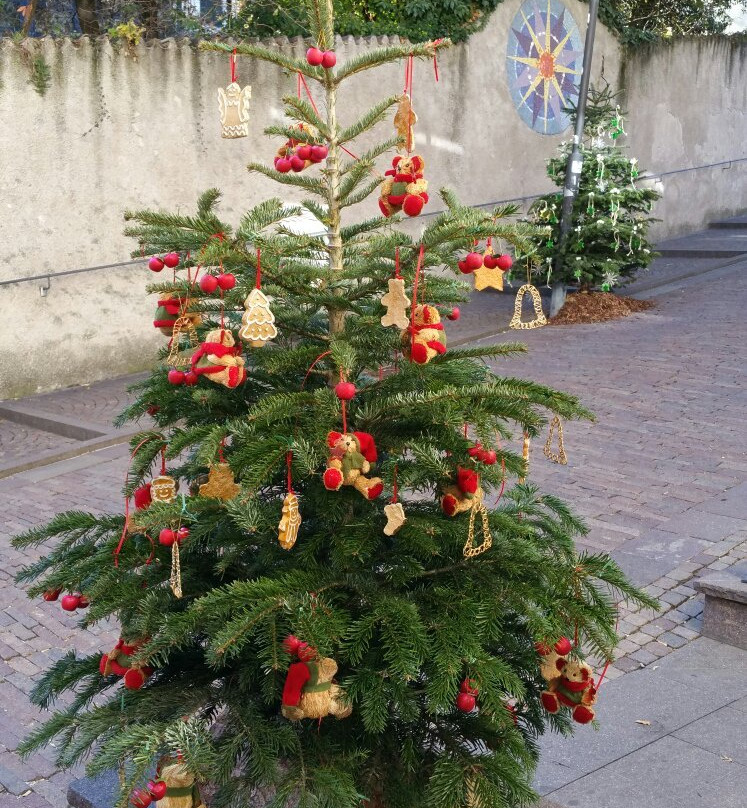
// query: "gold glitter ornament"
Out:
[560,456]
[290,522]
[539,315]
[469,550]
[220,484]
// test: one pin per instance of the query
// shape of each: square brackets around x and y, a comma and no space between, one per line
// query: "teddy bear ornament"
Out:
[309,691]
[350,461]
[570,682]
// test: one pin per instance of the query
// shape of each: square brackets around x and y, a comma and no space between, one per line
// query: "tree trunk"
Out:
[89,23]
[336,316]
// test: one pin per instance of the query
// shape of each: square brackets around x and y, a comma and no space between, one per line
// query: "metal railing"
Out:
[48,276]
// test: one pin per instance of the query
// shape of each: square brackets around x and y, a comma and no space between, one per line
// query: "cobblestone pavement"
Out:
[660,479]
[18,442]
[94,403]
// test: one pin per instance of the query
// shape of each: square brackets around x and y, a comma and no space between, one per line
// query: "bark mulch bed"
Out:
[597,307]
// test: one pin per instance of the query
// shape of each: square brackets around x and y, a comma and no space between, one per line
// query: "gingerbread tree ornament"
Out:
[258,322]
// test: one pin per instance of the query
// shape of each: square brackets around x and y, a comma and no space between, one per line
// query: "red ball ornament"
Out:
[297,164]
[191,378]
[474,451]
[155,264]
[345,391]
[466,702]
[489,261]
[176,376]
[473,261]
[70,602]
[314,57]
[455,314]
[329,59]
[171,260]
[226,281]
[153,409]
[134,679]
[166,537]
[283,165]
[318,153]
[304,152]
[489,457]
[51,594]
[208,284]
[83,602]
[182,534]
[139,797]
[463,268]
[157,789]
[504,262]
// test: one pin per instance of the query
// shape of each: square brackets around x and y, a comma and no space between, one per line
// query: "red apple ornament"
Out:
[171,260]
[314,57]
[70,602]
[226,281]
[157,789]
[473,261]
[504,262]
[176,376]
[329,59]
[155,264]
[466,702]
[208,284]
[166,537]
[455,314]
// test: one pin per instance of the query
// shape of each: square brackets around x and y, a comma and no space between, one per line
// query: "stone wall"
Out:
[688,108]
[121,129]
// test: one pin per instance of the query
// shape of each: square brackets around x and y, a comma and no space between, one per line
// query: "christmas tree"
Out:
[607,242]
[326,612]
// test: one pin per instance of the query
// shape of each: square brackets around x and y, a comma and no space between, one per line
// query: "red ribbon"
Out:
[259,263]
[415,286]
[288,462]
[123,537]
[233,67]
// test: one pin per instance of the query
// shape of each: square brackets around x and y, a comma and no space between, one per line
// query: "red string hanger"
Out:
[232,59]
[409,65]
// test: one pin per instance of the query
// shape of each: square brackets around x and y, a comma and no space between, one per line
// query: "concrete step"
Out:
[735,223]
[714,243]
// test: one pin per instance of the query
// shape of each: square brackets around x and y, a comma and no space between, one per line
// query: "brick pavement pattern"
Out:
[660,479]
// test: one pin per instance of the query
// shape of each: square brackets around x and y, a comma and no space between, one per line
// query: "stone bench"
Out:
[725,612]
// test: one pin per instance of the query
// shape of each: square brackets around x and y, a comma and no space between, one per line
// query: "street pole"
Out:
[575,159]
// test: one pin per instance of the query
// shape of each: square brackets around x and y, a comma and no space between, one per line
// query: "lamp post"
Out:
[575,159]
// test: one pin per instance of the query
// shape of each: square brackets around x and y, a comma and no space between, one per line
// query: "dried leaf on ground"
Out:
[597,307]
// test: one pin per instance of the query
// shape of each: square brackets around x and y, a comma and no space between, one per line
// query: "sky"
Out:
[738,19]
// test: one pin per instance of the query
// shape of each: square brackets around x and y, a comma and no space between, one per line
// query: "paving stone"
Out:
[626,664]
[653,630]
[692,608]
[673,598]
[687,633]
[664,774]
[657,648]
[723,732]
[672,640]
[643,656]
